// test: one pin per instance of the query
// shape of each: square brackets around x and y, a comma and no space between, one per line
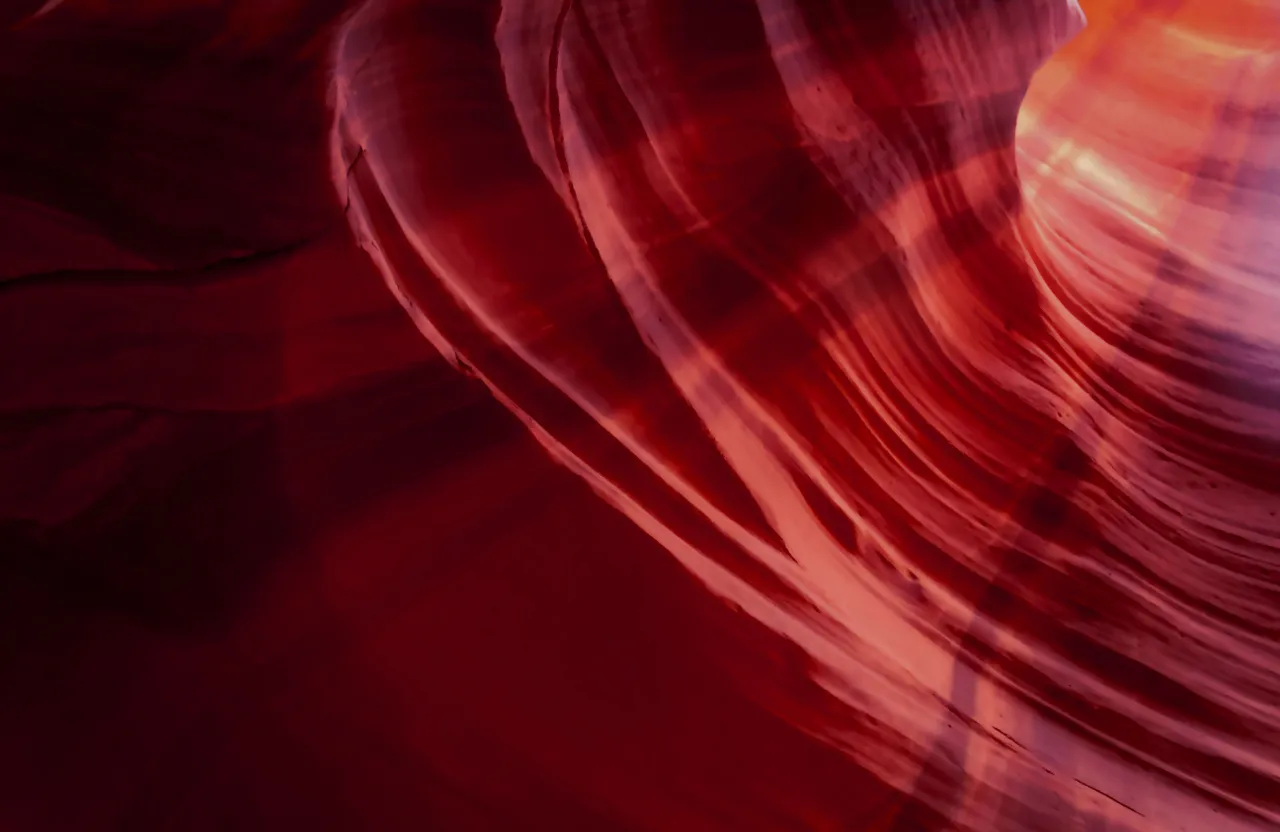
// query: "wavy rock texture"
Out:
[844,430]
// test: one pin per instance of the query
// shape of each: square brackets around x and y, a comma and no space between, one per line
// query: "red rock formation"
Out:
[845,436]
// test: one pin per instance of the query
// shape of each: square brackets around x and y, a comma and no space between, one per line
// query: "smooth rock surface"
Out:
[640,414]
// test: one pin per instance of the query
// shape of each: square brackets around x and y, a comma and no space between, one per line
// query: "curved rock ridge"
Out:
[860,415]
[998,452]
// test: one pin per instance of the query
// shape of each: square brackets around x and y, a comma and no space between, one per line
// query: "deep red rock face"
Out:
[640,414]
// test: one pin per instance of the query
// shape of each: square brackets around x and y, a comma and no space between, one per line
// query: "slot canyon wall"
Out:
[640,414]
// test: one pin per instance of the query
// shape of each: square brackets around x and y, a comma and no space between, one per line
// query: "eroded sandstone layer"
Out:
[640,414]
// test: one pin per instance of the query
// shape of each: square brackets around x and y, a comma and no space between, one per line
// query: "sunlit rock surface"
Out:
[649,414]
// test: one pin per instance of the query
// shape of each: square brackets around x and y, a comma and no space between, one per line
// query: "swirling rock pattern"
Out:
[915,421]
